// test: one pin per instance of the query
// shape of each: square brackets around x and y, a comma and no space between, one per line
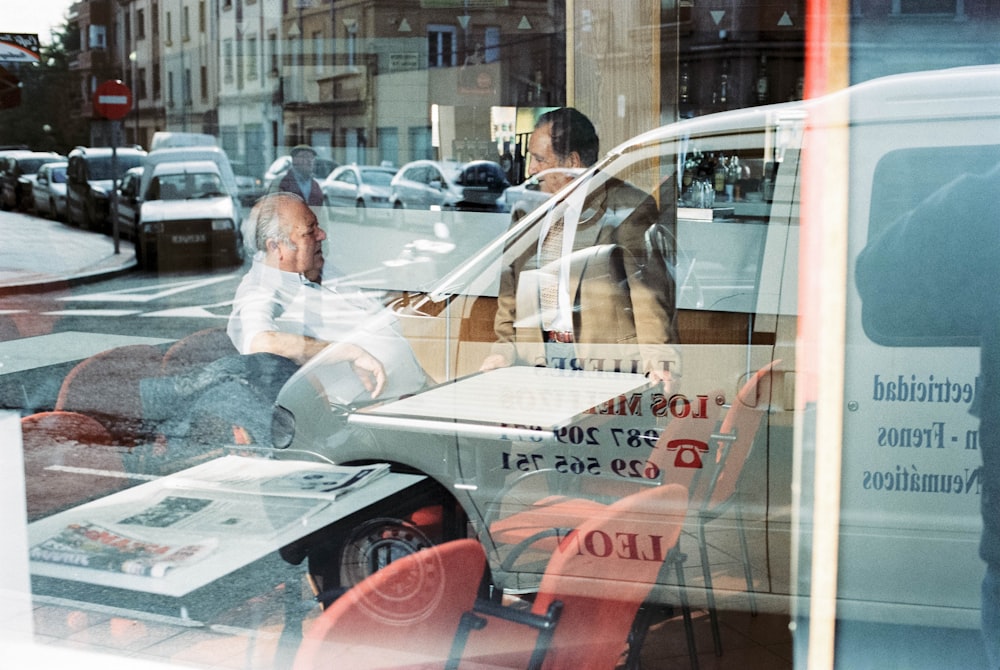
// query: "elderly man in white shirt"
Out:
[283,306]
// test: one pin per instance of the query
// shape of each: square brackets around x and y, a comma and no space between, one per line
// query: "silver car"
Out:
[358,187]
[50,190]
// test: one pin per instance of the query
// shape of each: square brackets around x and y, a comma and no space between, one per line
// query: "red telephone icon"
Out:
[687,452]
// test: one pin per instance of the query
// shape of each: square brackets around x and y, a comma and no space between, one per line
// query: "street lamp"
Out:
[132,58]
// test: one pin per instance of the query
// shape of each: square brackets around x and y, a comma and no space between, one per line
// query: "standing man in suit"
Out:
[594,291]
[299,178]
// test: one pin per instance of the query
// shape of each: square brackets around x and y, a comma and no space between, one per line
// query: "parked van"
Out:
[726,191]
[90,178]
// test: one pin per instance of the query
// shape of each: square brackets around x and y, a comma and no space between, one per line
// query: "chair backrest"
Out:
[735,440]
[196,350]
[405,614]
[106,387]
[604,570]
[68,460]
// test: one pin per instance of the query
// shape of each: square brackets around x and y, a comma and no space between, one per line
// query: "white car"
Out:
[187,214]
[49,190]
[361,187]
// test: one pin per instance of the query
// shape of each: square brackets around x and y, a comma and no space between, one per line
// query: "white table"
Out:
[240,526]
[494,403]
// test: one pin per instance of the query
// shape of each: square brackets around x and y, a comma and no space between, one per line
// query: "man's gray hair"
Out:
[266,223]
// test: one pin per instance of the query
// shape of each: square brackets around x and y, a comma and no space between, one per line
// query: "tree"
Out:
[48,117]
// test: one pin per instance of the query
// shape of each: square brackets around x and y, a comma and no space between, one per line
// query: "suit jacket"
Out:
[619,283]
[288,184]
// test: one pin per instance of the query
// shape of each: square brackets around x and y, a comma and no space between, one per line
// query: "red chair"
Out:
[601,573]
[69,459]
[713,496]
[106,387]
[405,614]
[196,350]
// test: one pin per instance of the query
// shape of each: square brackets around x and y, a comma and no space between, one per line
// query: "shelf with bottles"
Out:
[741,184]
[714,80]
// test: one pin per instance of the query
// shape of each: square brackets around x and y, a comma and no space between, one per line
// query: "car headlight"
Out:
[154,228]
[222,224]
[282,427]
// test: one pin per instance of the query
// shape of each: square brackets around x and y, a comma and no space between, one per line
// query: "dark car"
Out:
[18,176]
[425,184]
[90,180]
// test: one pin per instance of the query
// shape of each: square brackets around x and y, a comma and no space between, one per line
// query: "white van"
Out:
[727,190]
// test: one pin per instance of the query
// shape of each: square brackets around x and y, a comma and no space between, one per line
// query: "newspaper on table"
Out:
[185,519]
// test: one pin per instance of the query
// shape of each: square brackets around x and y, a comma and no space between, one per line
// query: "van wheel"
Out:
[377,543]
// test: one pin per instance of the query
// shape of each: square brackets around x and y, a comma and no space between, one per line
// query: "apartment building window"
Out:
[141,84]
[157,81]
[170,30]
[227,61]
[140,24]
[317,50]
[252,57]
[239,63]
[272,53]
[204,82]
[187,86]
[154,17]
[170,89]
[442,45]
[202,17]
[127,30]
[186,23]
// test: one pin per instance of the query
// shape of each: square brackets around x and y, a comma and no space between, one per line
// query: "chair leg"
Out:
[747,568]
[686,610]
[706,570]
[637,636]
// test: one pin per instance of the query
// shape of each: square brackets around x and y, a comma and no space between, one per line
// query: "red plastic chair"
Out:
[601,573]
[713,496]
[68,460]
[405,614]
[106,387]
[196,350]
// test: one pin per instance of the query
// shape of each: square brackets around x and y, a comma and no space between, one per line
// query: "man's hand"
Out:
[661,377]
[494,361]
[369,370]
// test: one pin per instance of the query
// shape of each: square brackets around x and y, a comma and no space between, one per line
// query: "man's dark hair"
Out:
[571,131]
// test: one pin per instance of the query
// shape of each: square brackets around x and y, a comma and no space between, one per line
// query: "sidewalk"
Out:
[37,251]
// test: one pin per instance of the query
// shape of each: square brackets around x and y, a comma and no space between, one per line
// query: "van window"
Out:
[902,182]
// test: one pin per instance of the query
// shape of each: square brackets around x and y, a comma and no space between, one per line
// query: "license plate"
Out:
[188,239]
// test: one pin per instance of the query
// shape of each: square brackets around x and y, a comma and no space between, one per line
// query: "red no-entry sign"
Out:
[112,100]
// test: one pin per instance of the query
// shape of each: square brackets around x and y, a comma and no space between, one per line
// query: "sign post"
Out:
[113,100]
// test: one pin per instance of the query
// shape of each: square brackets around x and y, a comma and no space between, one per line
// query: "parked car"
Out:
[49,190]
[187,214]
[90,179]
[249,186]
[18,177]
[526,196]
[425,184]
[359,187]
[501,442]
[129,202]
[276,171]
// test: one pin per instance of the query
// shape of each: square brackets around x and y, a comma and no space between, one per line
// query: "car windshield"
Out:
[377,177]
[185,186]
[100,168]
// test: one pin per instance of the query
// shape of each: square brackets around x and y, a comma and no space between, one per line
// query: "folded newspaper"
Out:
[89,545]
[185,518]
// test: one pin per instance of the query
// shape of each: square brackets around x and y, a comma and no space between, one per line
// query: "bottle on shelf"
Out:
[762,81]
